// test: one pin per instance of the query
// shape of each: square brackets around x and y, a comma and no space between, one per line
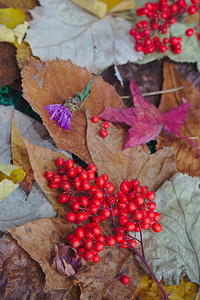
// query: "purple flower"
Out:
[60,114]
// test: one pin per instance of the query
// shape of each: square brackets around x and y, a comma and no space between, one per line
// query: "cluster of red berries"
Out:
[160,16]
[92,197]
[102,132]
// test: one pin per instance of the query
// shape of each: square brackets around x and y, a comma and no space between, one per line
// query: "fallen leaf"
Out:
[48,88]
[151,170]
[9,177]
[148,289]
[24,5]
[20,157]
[22,276]
[145,120]
[36,205]
[23,54]
[176,247]
[11,17]
[6,34]
[85,39]
[185,154]
[20,31]
[190,46]
[123,6]
[9,72]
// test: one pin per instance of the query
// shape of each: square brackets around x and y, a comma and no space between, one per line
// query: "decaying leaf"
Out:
[20,157]
[54,82]
[151,170]
[23,54]
[11,17]
[176,247]
[9,177]
[185,155]
[85,39]
[36,205]
[145,120]
[24,5]
[19,32]
[9,72]
[123,6]
[148,289]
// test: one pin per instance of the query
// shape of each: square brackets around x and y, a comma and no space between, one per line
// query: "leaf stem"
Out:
[157,92]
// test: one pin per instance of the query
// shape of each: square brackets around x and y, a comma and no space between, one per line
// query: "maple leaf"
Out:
[145,120]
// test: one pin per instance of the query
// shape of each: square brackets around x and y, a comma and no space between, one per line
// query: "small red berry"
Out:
[69,164]
[156,227]
[105,125]
[192,9]
[62,198]
[125,279]
[189,32]
[49,174]
[60,161]
[96,258]
[103,133]
[132,31]
[95,119]
[163,48]
[75,242]
[70,216]
[110,241]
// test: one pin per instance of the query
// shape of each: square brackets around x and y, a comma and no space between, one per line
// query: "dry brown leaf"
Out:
[39,237]
[53,82]
[185,155]
[151,170]
[23,54]
[21,277]
[9,71]
[20,157]
[42,160]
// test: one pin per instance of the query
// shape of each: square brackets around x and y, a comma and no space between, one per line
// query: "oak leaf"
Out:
[52,83]
[176,248]
[67,31]
[148,289]
[145,120]
[151,170]
[185,154]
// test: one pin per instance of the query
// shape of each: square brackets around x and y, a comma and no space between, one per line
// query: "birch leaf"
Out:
[63,29]
[176,248]
[9,177]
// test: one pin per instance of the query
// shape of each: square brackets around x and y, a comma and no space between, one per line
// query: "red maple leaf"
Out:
[145,120]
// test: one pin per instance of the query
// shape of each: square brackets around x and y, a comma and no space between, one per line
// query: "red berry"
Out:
[60,162]
[98,246]
[100,238]
[92,167]
[88,244]
[75,206]
[96,258]
[71,172]
[138,199]
[70,216]
[90,175]
[88,255]
[174,40]
[80,216]
[69,237]
[192,9]
[98,194]
[125,279]
[151,205]
[83,200]
[157,217]
[49,174]
[79,169]
[156,227]
[125,186]
[150,195]
[132,31]
[130,226]
[189,32]
[80,232]
[65,185]
[198,36]
[138,47]
[69,164]
[75,242]
[105,125]
[103,133]
[195,1]
[53,185]
[83,175]
[163,48]
[110,241]
[81,251]
[96,230]
[95,119]
[174,8]
[85,185]
[137,214]
[62,198]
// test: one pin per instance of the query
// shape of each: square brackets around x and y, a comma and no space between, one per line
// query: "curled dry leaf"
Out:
[64,260]
[54,82]
[67,31]
[148,289]
[20,157]
[176,247]
[151,170]
[185,155]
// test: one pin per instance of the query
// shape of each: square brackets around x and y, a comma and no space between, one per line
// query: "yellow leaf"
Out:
[95,7]
[9,177]
[11,17]
[6,34]
[20,31]
[124,5]
[148,289]
[23,54]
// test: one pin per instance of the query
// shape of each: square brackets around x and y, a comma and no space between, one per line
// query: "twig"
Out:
[157,92]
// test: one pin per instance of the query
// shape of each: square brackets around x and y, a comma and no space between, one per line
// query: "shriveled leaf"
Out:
[20,157]
[148,289]
[9,71]
[54,82]
[21,277]
[151,170]
[144,119]
[112,261]
[36,205]
[23,54]
[85,39]
[9,177]
[190,46]
[11,17]
[185,154]
[176,247]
